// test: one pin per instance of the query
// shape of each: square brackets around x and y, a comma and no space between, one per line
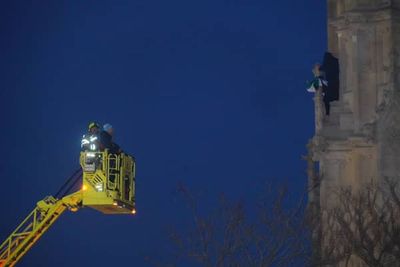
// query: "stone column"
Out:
[319,112]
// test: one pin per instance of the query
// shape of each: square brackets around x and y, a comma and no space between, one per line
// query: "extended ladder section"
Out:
[34,226]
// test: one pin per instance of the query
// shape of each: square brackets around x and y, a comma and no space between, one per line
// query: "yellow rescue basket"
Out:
[108,182]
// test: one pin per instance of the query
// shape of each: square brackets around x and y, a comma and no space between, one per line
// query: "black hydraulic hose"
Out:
[73,184]
[72,178]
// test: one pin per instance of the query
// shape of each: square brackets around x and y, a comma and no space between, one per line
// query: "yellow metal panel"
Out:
[108,182]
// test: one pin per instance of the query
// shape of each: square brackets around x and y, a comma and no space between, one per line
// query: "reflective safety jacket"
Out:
[90,142]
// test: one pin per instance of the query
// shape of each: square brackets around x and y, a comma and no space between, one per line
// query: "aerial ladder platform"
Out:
[106,182]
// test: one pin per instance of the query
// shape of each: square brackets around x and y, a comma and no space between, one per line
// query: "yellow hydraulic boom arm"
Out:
[108,185]
[47,211]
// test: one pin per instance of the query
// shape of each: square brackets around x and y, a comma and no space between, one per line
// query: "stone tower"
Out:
[360,141]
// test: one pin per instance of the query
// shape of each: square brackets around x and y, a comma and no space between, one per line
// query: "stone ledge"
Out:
[365,17]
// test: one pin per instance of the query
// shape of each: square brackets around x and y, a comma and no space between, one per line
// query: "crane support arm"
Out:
[47,211]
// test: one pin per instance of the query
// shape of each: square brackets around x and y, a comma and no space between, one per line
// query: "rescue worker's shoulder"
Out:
[105,139]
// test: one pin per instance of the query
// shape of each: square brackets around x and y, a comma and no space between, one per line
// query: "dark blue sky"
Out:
[208,93]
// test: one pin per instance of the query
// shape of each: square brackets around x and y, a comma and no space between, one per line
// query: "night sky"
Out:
[207,93]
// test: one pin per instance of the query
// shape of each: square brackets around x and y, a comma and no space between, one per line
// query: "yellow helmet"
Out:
[93,124]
